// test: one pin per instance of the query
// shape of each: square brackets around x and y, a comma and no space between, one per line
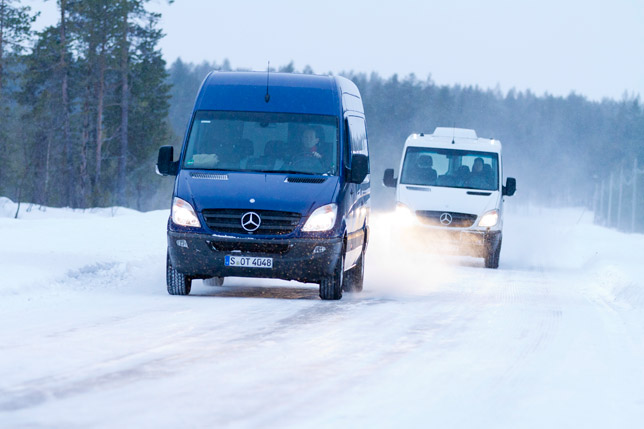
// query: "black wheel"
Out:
[331,286]
[354,278]
[214,281]
[178,283]
[492,256]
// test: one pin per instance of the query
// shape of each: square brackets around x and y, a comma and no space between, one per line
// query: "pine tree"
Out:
[15,30]
[149,127]
[41,93]
[95,85]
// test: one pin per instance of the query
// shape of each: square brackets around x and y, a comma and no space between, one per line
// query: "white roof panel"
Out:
[463,133]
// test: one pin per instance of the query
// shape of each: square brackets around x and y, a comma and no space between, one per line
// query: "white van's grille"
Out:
[437,218]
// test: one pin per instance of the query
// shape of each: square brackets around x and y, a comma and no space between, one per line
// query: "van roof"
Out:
[289,92]
[454,138]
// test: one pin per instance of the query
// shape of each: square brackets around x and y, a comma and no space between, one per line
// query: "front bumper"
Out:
[457,241]
[202,256]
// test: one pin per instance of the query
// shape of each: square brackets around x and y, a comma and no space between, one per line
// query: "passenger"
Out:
[477,178]
[242,151]
[274,150]
[477,167]
[271,159]
[488,175]
[462,174]
[426,170]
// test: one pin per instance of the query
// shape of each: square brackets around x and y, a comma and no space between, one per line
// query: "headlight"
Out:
[404,215]
[322,219]
[183,214]
[489,219]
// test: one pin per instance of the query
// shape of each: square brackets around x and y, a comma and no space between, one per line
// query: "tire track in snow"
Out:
[38,391]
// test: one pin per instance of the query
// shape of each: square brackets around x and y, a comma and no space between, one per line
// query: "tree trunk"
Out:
[3,6]
[45,193]
[67,144]
[125,50]
[83,170]
[100,100]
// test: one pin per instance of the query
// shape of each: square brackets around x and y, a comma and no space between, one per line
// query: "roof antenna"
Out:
[453,131]
[267,97]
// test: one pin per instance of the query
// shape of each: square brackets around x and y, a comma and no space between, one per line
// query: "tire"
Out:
[492,256]
[214,281]
[178,283]
[331,286]
[354,278]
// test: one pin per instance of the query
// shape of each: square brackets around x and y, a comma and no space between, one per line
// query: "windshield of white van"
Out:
[263,142]
[451,168]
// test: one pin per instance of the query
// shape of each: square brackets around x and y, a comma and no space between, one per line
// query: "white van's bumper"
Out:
[459,241]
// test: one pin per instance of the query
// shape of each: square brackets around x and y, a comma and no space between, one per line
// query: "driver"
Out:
[308,156]
[310,141]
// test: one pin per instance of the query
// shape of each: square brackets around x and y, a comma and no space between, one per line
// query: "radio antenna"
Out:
[267,97]
[453,131]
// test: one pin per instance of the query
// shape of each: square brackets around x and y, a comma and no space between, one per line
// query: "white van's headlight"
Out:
[183,214]
[322,219]
[404,215]
[489,219]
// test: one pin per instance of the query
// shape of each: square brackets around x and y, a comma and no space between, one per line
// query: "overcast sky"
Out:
[595,48]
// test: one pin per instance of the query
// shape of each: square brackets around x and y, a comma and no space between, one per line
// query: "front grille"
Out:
[459,220]
[229,246]
[272,222]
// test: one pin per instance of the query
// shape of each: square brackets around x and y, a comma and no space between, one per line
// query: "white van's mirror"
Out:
[388,179]
[510,186]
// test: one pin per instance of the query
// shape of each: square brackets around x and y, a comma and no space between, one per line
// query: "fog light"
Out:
[319,249]
[182,243]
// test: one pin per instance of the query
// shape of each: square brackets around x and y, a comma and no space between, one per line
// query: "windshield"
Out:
[265,142]
[451,168]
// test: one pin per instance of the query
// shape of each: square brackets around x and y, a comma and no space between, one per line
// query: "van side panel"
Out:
[356,196]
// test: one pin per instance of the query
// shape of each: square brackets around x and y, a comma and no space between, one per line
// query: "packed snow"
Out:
[90,338]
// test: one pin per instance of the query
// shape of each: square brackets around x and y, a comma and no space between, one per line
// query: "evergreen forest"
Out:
[85,105]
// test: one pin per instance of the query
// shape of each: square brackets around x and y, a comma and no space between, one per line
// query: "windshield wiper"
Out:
[287,172]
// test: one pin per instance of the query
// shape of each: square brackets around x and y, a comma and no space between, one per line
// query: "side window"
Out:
[357,135]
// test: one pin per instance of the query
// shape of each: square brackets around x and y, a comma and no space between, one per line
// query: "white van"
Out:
[449,192]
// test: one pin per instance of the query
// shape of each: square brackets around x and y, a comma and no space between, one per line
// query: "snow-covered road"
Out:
[89,337]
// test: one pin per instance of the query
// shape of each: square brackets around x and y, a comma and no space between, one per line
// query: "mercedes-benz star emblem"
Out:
[446,219]
[250,221]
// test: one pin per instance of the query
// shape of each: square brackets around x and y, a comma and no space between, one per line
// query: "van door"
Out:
[358,194]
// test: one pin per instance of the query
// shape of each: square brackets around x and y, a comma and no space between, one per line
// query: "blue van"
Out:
[272,181]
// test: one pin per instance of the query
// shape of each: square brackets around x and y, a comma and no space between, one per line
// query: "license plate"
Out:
[248,261]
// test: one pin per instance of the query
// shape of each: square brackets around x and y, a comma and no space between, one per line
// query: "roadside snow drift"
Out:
[90,338]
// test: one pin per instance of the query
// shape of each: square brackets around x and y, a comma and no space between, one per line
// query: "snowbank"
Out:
[45,247]
[9,208]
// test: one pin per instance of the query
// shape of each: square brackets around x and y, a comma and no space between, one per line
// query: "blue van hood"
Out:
[271,191]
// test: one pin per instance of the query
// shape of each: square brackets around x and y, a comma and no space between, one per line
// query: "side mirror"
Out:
[388,179]
[510,186]
[359,168]
[165,164]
